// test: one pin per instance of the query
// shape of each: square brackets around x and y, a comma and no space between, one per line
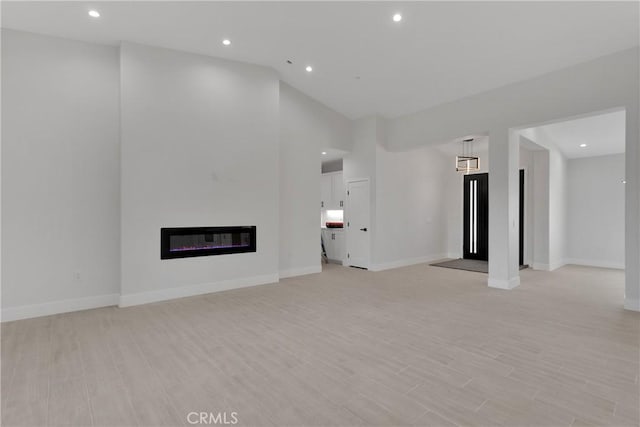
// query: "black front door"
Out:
[476,217]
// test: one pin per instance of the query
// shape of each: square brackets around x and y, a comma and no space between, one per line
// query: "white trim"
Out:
[191,290]
[406,262]
[557,265]
[548,267]
[57,307]
[631,304]
[504,284]
[452,255]
[301,271]
[595,263]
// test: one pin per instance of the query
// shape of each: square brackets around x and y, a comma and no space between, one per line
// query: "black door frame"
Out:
[482,250]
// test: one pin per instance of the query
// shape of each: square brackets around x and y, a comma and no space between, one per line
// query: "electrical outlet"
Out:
[76,276]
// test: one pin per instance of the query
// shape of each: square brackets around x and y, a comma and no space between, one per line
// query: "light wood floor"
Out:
[418,345]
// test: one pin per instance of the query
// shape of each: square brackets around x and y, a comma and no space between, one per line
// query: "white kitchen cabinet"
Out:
[332,191]
[337,188]
[338,245]
[334,244]
[326,190]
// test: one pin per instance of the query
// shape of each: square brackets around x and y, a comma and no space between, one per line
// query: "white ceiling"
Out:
[439,52]
[604,134]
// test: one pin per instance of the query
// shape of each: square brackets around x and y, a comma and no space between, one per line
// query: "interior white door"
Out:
[358,227]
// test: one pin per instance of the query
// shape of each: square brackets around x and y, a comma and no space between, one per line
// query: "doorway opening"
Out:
[579,190]
[332,205]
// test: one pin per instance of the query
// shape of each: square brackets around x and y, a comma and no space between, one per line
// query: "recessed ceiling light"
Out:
[226,42]
[624,181]
[94,14]
[583,145]
[309,68]
[397,17]
[324,153]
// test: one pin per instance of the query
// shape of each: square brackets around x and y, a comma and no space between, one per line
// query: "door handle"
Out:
[363,229]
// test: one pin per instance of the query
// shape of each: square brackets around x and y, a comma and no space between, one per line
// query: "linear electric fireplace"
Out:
[201,241]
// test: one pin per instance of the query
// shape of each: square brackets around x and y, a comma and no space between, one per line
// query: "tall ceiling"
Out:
[601,135]
[363,62]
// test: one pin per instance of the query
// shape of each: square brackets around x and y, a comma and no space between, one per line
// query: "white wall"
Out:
[60,175]
[410,219]
[557,209]
[199,145]
[360,163]
[595,200]
[540,226]
[602,84]
[407,197]
[306,127]
[454,219]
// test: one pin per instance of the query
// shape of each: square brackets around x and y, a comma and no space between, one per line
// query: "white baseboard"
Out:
[302,271]
[504,284]
[128,300]
[454,255]
[557,265]
[632,304]
[57,307]
[405,262]
[540,266]
[548,267]
[596,263]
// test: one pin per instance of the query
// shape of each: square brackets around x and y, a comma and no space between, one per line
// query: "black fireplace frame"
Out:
[166,233]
